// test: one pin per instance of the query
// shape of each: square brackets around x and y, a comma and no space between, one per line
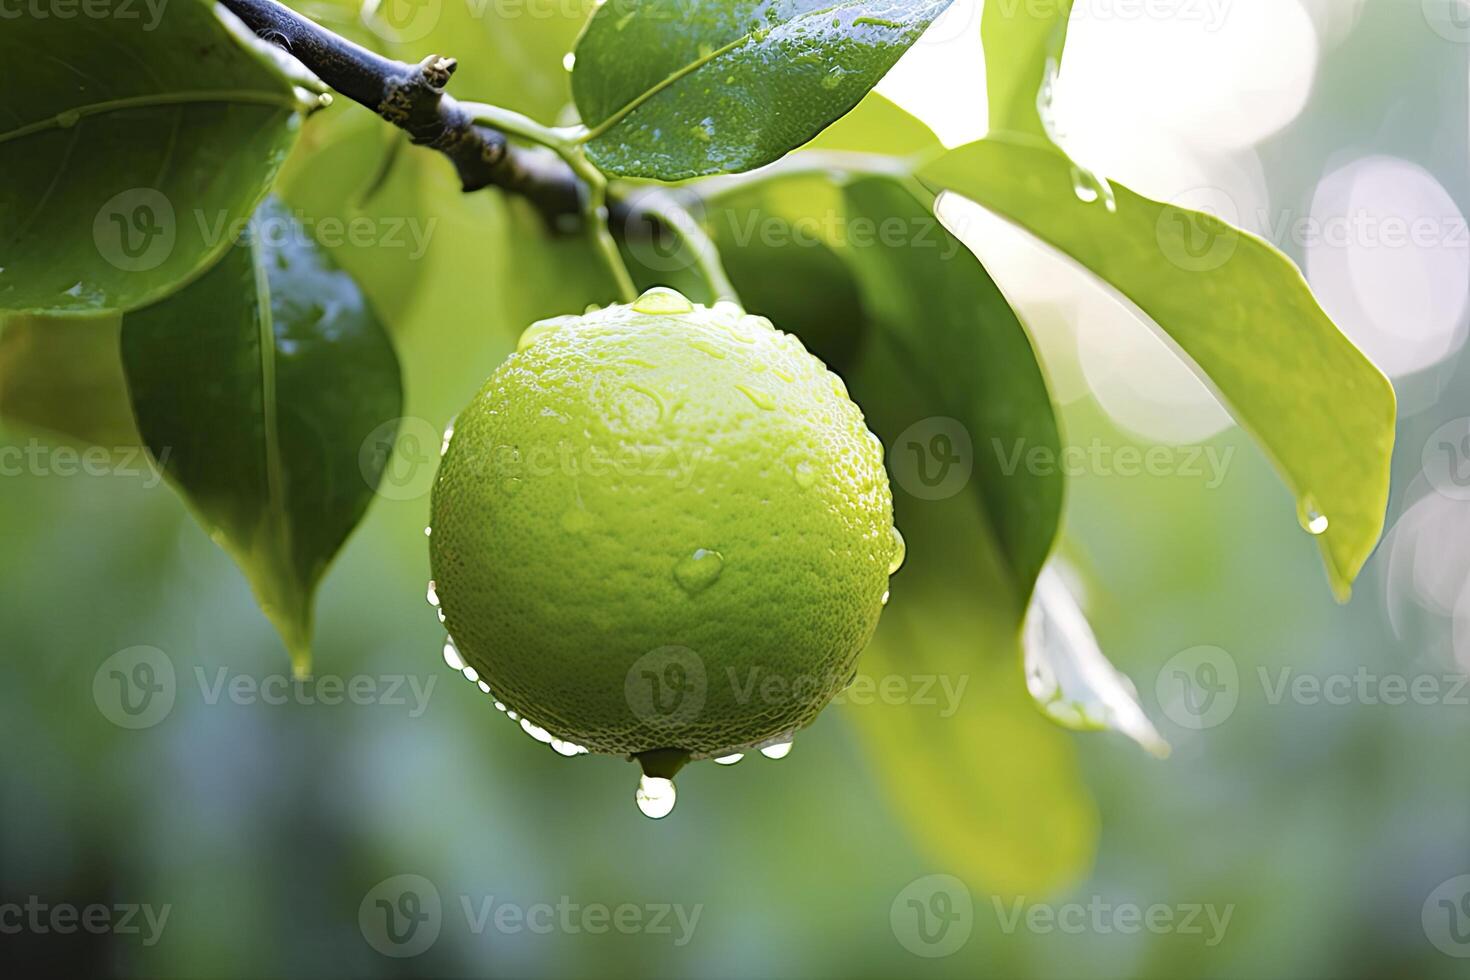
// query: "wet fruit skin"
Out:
[662,526]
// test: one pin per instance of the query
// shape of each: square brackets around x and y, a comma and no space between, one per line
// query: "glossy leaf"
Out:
[357,186]
[1023,48]
[64,376]
[1073,683]
[274,391]
[947,323]
[990,788]
[129,150]
[1236,310]
[672,90]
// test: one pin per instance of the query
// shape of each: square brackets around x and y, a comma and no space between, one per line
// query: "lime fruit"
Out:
[662,530]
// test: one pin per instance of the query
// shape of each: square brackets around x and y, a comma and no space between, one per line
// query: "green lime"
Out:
[662,530]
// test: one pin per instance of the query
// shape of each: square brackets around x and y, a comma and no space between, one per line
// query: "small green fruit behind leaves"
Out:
[131,138]
[264,391]
[672,90]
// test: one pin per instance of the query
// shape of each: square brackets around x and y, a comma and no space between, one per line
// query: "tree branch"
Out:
[412,97]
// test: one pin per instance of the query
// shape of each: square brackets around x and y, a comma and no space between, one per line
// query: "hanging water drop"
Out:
[900,551]
[1310,516]
[432,595]
[778,751]
[729,760]
[471,674]
[655,796]
[451,654]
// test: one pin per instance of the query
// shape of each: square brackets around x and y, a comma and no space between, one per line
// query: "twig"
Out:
[412,97]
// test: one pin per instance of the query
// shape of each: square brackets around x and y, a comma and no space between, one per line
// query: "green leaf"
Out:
[65,376]
[947,323]
[1023,47]
[358,187]
[1073,683]
[129,148]
[672,90]
[1236,310]
[268,392]
[990,788]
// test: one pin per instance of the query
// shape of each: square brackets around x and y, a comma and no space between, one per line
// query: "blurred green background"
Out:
[1325,831]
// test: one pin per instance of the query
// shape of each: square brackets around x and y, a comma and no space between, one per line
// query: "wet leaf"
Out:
[1067,674]
[1236,310]
[1023,47]
[946,322]
[130,150]
[672,90]
[268,392]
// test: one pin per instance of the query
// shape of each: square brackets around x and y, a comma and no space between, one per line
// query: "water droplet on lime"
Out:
[698,571]
[729,760]
[900,551]
[451,654]
[804,474]
[760,399]
[662,299]
[778,751]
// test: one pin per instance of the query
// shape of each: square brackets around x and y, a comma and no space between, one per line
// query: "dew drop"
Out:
[778,751]
[432,595]
[536,731]
[884,600]
[1310,516]
[729,760]
[451,654]
[448,434]
[662,299]
[705,347]
[804,474]
[569,60]
[471,674]
[1090,188]
[900,551]
[428,531]
[698,571]
[484,688]
[655,796]
[68,119]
